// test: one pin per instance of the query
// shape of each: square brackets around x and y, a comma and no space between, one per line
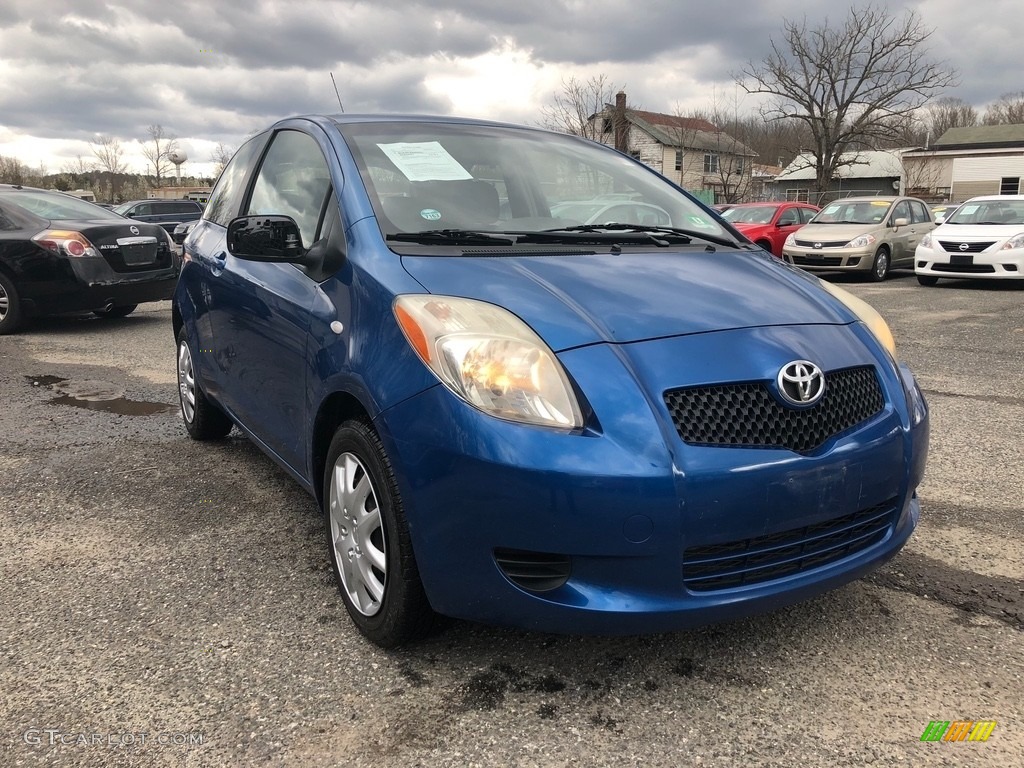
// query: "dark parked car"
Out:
[167,213]
[61,254]
[513,417]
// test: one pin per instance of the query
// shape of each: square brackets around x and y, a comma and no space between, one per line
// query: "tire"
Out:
[122,311]
[10,306]
[765,245]
[368,540]
[927,280]
[880,266]
[203,420]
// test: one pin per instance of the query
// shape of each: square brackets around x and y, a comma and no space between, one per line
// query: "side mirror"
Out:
[902,221]
[265,238]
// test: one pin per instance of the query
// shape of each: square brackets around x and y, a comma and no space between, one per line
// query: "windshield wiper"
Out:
[678,234]
[457,236]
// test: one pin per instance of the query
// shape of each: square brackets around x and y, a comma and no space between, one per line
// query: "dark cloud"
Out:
[216,71]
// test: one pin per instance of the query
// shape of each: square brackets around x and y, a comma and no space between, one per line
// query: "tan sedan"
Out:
[861,234]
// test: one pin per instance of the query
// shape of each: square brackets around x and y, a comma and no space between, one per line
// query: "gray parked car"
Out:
[861,234]
[167,213]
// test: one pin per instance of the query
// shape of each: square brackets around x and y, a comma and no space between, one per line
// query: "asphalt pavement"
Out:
[169,603]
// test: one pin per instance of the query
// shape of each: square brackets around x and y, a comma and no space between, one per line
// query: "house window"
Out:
[739,166]
[797,195]
[1009,185]
[635,155]
[710,163]
[679,159]
[606,125]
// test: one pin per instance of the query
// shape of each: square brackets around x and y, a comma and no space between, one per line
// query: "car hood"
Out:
[571,300]
[956,232]
[833,233]
[748,228]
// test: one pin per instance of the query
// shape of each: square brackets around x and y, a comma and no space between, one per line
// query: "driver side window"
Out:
[293,181]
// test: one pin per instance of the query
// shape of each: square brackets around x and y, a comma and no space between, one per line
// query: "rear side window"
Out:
[293,181]
[226,198]
[921,214]
[6,222]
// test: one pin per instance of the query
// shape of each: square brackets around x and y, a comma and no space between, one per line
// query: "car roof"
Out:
[991,198]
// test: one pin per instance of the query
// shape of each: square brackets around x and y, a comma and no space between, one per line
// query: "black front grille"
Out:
[822,243]
[820,261]
[534,571]
[954,246]
[965,269]
[749,416]
[763,558]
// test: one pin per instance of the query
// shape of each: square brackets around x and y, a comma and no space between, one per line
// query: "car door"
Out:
[263,332]
[787,221]
[900,236]
[921,224]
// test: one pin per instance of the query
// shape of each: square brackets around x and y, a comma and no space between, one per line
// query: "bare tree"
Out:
[220,157]
[13,171]
[157,150]
[848,84]
[571,109]
[1007,109]
[948,112]
[77,167]
[109,154]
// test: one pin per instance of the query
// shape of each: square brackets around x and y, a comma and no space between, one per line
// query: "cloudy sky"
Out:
[215,70]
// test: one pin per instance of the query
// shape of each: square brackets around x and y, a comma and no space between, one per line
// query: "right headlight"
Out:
[926,241]
[490,358]
[867,314]
[861,242]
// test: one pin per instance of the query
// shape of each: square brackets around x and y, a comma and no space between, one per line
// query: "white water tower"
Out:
[177,156]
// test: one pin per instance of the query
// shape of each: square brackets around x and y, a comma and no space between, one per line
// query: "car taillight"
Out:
[65,242]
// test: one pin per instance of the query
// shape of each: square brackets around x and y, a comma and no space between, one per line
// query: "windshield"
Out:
[853,212]
[755,214]
[989,212]
[54,205]
[425,176]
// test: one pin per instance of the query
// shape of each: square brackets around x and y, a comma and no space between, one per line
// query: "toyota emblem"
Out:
[133,229]
[964,246]
[801,382]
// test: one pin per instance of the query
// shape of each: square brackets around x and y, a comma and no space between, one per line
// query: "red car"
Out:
[769,224]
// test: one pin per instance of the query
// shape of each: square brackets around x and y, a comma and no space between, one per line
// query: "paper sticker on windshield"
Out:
[424,161]
[881,203]
[831,210]
[430,214]
[967,210]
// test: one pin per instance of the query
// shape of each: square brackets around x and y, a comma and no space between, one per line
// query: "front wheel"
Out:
[927,280]
[368,540]
[113,312]
[203,420]
[880,267]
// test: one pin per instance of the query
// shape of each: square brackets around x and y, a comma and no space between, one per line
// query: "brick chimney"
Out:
[621,125]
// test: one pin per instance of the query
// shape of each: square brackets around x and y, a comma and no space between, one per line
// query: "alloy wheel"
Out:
[186,383]
[357,534]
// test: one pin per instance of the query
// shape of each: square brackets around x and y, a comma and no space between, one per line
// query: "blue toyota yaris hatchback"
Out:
[513,413]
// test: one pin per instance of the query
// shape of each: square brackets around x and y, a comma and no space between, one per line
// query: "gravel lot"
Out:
[153,588]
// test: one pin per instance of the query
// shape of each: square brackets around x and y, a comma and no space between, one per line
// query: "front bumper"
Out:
[994,265]
[625,500]
[830,259]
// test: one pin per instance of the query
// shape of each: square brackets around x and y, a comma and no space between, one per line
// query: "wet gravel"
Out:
[155,588]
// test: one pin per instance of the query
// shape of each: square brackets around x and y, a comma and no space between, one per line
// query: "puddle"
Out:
[94,395]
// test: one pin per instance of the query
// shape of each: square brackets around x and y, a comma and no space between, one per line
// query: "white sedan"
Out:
[984,238]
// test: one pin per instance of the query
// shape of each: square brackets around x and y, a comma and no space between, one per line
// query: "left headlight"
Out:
[490,358]
[1017,241]
[867,314]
